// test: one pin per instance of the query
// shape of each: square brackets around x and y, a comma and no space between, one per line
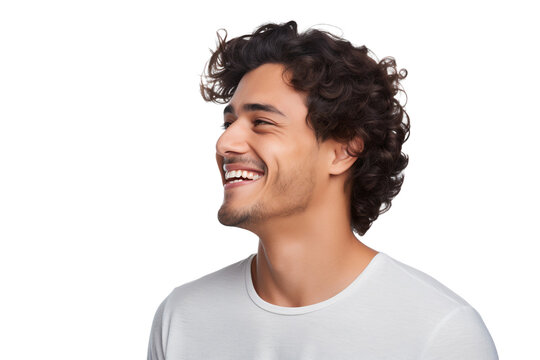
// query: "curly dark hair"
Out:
[349,95]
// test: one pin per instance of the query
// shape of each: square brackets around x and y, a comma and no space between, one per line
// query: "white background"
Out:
[109,189]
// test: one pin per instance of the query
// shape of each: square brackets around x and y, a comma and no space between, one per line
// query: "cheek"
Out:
[295,156]
[299,164]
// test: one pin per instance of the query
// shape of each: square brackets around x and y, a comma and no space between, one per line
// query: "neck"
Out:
[309,257]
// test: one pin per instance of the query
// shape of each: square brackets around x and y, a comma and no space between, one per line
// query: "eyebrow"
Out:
[254,107]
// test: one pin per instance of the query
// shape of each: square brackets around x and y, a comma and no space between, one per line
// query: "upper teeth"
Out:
[242,173]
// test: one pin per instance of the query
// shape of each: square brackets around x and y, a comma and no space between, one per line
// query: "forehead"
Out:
[267,84]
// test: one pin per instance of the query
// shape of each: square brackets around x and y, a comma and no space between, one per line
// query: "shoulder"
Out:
[404,294]
[411,284]
[461,334]
[225,282]
[451,327]
[197,298]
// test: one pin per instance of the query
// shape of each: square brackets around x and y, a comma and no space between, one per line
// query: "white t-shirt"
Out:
[390,311]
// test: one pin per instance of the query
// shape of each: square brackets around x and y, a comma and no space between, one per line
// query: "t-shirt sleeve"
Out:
[156,342]
[460,335]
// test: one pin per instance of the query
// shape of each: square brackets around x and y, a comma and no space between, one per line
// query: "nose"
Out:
[234,140]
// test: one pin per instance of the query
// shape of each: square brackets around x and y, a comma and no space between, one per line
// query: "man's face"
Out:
[267,131]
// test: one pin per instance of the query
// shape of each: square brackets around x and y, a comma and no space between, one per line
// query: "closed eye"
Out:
[262,121]
[226,124]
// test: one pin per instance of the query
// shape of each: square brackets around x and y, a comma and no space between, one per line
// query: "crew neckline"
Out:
[288,310]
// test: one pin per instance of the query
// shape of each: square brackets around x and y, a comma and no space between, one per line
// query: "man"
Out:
[310,154]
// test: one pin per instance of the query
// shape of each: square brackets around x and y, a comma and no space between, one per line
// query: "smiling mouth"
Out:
[234,181]
[242,174]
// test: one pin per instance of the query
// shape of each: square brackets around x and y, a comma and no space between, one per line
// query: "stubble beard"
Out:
[291,196]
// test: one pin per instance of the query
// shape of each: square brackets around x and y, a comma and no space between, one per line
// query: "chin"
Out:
[229,217]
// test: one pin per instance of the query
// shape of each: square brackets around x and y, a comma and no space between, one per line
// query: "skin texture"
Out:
[307,252]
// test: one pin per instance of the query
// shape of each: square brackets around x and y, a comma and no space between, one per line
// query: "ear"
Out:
[342,158]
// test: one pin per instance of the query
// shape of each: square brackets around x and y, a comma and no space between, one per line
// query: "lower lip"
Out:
[227,186]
